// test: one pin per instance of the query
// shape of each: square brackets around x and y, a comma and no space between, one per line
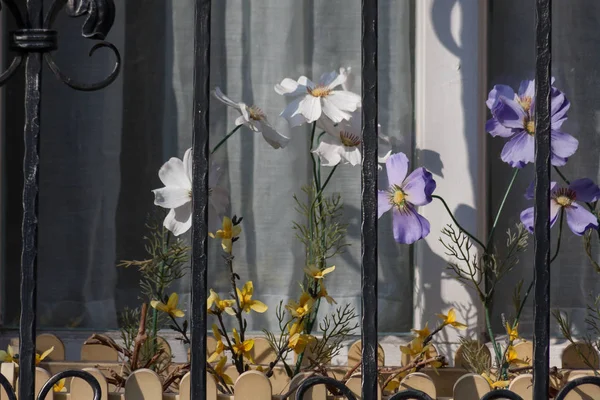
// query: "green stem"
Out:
[225,139]
[312,156]
[320,193]
[458,225]
[560,226]
[488,324]
[508,189]
[563,177]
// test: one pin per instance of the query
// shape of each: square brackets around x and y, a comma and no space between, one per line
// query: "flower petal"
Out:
[419,187]
[187,165]
[509,113]
[179,220]
[173,300]
[328,270]
[289,87]
[329,150]
[241,120]
[563,145]
[495,128]
[338,79]
[383,203]
[527,88]
[310,107]
[396,167]
[585,190]
[558,108]
[527,219]
[579,219]
[172,173]
[177,313]
[519,150]
[171,196]
[328,77]
[219,95]
[530,192]
[496,92]
[219,199]
[258,306]
[275,139]
[291,114]
[409,226]
[333,112]
[344,100]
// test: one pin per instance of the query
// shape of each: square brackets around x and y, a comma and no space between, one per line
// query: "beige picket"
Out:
[41,377]
[355,354]
[280,381]
[253,385]
[8,370]
[184,387]
[81,390]
[583,392]
[472,346]
[471,387]
[46,341]
[419,381]
[98,352]
[524,351]
[355,385]
[318,392]
[571,358]
[523,386]
[143,384]
[262,353]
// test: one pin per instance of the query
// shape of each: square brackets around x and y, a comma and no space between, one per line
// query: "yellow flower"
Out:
[171,306]
[512,356]
[242,348]
[316,273]
[220,305]
[414,348]
[227,233]
[297,341]
[450,319]
[8,355]
[323,294]
[422,333]
[220,345]
[512,332]
[495,384]
[219,371]
[246,302]
[301,308]
[60,386]
[40,358]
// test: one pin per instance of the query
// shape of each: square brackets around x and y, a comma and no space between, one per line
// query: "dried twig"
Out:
[177,373]
[109,342]
[410,366]
[154,358]
[140,338]
[351,371]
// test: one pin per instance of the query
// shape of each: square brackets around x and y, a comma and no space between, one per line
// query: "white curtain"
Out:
[575,38]
[101,151]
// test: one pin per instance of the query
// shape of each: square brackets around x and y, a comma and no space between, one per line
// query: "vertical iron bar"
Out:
[33,83]
[200,200]
[541,338]
[369,199]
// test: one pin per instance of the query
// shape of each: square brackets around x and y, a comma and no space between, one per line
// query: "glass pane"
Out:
[574,67]
[101,153]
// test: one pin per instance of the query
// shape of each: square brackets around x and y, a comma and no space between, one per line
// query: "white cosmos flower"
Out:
[176,175]
[255,119]
[344,140]
[314,99]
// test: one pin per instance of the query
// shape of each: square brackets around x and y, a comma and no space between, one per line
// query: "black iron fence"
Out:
[33,42]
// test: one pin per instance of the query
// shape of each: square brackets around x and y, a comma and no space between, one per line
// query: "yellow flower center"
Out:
[530,127]
[398,197]
[525,102]
[256,113]
[349,139]
[564,197]
[319,91]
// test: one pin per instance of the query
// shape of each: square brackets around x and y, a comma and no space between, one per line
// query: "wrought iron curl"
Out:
[586,380]
[8,388]
[501,394]
[411,394]
[322,380]
[86,376]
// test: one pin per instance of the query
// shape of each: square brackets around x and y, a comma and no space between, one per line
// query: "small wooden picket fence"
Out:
[443,384]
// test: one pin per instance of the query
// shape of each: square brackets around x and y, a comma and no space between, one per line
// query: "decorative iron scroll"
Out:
[48,386]
[100,16]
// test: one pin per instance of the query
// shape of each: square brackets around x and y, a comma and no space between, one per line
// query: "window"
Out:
[101,152]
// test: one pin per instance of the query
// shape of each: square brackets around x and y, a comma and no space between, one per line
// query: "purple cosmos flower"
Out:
[579,218]
[513,117]
[402,195]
